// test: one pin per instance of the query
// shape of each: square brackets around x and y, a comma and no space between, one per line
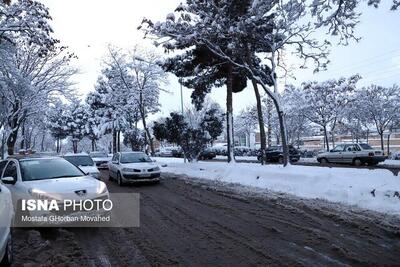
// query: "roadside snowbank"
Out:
[343,185]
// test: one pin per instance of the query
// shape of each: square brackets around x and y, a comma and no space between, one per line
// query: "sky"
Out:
[88,26]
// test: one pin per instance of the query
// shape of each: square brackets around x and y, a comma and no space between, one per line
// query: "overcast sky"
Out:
[88,26]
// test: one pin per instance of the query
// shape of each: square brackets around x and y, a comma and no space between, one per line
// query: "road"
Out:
[197,223]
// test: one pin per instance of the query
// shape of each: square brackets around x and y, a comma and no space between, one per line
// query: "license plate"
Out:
[146,175]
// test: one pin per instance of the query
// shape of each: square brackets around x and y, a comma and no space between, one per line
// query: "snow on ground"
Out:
[308,160]
[243,158]
[342,185]
[391,162]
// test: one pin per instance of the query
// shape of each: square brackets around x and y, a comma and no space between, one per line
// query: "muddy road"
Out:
[198,223]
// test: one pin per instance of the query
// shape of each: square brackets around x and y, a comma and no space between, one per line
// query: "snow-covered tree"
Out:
[246,122]
[76,122]
[30,80]
[128,91]
[57,123]
[27,20]
[192,133]
[381,105]
[261,29]
[324,103]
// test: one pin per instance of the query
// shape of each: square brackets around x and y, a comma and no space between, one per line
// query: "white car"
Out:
[101,159]
[6,216]
[131,167]
[84,162]
[32,177]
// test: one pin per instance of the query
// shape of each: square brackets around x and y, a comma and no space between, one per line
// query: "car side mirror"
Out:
[8,180]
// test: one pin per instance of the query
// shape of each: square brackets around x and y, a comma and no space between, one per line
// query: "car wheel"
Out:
[357,162]
[280,160]
[119,179]
[7,260]
[324,161]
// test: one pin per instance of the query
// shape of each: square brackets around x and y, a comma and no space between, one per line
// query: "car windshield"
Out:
[365,146]
[46,169]
[98,155]
[80,160]
[134,158]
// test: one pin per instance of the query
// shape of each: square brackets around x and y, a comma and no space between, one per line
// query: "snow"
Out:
[340,185]
[391,162]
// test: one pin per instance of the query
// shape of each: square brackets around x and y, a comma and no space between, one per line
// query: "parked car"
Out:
[396,155]
[84,162]
[6,217]
[101,159]
[131,167]
[169,152]
[52,178]
[275,154]
[356,154]
[207,154]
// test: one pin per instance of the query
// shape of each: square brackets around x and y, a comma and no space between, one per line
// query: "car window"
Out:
[351,148]
[134,158]
[365,146]
[11,170]
[339,148]
[98,155]
[82,160]
[2,165]
[45,169]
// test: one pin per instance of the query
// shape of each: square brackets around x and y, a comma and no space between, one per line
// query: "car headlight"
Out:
[102,188]
[39,194]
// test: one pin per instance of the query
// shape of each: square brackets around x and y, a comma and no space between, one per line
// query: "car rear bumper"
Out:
[373,160]
[102,164]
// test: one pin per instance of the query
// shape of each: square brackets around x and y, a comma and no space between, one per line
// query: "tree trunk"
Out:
[388,144]
[3,142]
[269,122]
[326,138]
[148,135]
[119,141]
[75,146]
[11,140]
[114,141]
[22,145]
[382,144]
[229,115]
[93,145]
[260,122]
[333,138]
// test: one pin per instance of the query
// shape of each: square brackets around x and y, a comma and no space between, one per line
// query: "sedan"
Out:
[356,154]
[6,215]
[52,179]
[84,162]
[131,167]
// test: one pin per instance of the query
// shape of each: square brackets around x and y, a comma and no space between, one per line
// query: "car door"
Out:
[4,206]
[336,154]
[113,165]
[349,153]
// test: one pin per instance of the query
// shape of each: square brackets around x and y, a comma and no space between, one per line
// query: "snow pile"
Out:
[391,162]
[369,189]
